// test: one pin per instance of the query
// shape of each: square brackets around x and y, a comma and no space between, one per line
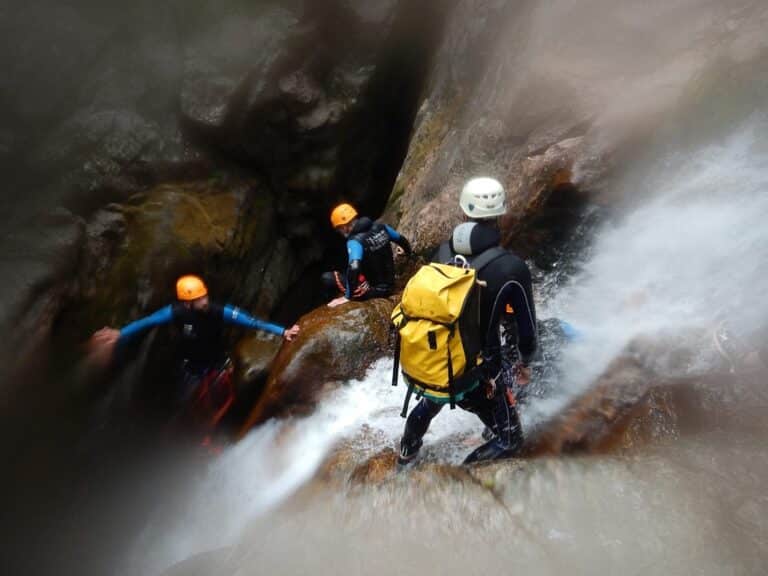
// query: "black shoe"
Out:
[408,452]
[492,450]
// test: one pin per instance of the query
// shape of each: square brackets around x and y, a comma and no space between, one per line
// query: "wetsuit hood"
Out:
[472,238]
[362,224]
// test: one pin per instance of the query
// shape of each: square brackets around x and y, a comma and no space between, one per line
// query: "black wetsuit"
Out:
[199,347]
[199,334]
[508,293]
[371,269]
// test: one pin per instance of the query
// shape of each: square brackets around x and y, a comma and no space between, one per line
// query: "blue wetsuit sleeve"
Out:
[398,238]
[162,316]
[354,258]
[234,315]
[354,250]
[394,235]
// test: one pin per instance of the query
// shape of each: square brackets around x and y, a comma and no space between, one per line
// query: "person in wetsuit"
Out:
[370,269]
[506,299]
[198,323]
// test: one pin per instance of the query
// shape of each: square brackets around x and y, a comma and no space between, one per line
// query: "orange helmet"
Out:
[190,288]
[343,214]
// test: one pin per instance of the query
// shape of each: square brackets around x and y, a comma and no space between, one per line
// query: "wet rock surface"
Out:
[656,391]
[254,355]
[527,116]
[613,415]
[334,346]
[471,123]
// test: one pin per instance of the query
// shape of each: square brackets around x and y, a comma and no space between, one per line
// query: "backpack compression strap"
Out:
[451,391]
[396,359]
[484,258]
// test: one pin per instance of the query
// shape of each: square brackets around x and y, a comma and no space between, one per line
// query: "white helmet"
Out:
[483,198]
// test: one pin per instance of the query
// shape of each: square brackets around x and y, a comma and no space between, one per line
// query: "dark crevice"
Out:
[372,143]
[546,236]
[393,98]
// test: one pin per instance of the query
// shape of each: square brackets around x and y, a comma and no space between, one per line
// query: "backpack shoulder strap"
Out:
[484,258]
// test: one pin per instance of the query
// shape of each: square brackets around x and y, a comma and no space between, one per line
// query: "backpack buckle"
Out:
[460,261]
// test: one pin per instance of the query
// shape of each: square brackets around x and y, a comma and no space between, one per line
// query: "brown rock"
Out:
[596,420]
[376,469]
[541,197]
[292,91]
[335,345]
[510,96]
[254,355]
[544,189]
[640,397]
[478,119]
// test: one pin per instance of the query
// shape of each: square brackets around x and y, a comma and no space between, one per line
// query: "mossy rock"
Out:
[137,250]
[432,129]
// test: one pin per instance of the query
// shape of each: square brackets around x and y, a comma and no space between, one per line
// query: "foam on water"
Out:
[270,463]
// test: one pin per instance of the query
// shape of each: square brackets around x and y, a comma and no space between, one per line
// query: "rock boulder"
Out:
[335,345]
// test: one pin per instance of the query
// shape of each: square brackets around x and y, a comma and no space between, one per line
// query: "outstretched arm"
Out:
[234,315]
[162,316]
[399,239]
[103,342]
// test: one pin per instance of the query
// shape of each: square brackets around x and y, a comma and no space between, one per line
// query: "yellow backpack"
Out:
[437,322]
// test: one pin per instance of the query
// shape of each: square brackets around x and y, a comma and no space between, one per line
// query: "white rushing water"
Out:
[272,462]
[693,251]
